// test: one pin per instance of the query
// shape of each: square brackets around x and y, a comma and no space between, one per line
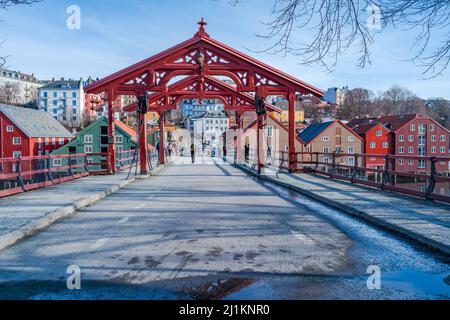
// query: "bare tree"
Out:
[9,92]
[339,25]
[356,104]
[5,4]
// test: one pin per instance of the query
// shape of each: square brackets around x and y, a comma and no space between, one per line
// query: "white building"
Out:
[210,127]
[193,108]
[64,100]
[20,88]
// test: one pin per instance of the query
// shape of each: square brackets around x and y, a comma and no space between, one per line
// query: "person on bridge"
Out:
[193,153]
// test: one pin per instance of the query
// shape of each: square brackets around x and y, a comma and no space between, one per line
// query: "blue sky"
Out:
[117,33]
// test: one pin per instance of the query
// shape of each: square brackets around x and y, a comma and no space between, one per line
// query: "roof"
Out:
[58,85]
[313,130]
[395,122]
[213,114]
[20,76]
[202,38]
[34,123]
[129,131]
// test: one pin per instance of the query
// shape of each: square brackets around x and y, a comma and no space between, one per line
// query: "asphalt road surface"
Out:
[208,231]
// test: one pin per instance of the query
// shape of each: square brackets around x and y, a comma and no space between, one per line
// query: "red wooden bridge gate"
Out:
[202,63]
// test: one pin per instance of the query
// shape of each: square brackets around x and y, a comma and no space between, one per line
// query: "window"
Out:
[379,133]
[74,103]
[411,161]
[433,149]
[401,161]
[422,140]
[55,94]
[351,161]
[351,138]
[87,149]
[47,141]
[351,150]
[269,131]
[432,127]
[373,145]
[17,154]
[326,159]
[9,129]
[401,138]
[57,162]
[326,138]
[442,149]
[119,139]
[17,141]
[410,149]
[401,150]
[422,164]
[412,127]
[326,150]
[61,141]
[410,138]
[89,160]
[442,138]
[54,141]
[422,128]
[433,138]
[422,151]
[88,138]
[55,103]
[74,94]
[385,145]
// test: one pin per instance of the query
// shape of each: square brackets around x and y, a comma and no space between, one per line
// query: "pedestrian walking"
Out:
[193,153]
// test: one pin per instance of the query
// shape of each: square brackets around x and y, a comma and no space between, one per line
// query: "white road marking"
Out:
[302,238]
[99,243]
[140,206]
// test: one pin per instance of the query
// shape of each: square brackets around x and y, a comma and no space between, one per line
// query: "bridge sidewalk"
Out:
[24,214]
[423,221]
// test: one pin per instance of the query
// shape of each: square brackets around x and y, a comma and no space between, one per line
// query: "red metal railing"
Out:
[22,174]
[425,182]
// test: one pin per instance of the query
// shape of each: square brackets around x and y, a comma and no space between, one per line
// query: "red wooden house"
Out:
[377,141]
[26,132]
[418,135]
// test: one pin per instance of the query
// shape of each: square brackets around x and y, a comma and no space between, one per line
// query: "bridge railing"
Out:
[22,174]
[421,176]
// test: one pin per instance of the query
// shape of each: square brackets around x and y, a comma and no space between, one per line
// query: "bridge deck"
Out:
[425,221]
[24,213]
[206,231]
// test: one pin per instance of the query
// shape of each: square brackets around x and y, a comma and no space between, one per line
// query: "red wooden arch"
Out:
[201,60]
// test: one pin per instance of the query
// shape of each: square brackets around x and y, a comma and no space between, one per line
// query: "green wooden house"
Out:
[93,140]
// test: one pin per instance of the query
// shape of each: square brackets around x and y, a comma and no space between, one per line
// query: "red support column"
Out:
[162,149]
[292,132]
[261,122]
[111,134]
[239,137]
[143,145]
